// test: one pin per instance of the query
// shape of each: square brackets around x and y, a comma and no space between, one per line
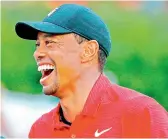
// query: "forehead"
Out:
[42,35]
[70,38]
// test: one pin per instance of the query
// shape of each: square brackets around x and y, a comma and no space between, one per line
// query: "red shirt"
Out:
[110,111]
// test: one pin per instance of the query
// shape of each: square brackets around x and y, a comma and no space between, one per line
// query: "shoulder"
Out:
[132,100]
[139,112]
[47,116]
[42,122]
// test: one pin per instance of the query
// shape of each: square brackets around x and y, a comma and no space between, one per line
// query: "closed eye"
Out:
[37,45]
[48,42]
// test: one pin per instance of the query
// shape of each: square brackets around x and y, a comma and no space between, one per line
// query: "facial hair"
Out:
[52,89]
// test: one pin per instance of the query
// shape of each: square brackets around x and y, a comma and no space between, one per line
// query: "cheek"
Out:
[55,56]
[66,63]
[73,60]
[66,71]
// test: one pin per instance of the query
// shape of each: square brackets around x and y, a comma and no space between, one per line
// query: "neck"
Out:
[73,103]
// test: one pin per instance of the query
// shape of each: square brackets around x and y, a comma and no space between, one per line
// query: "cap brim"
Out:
[29,30]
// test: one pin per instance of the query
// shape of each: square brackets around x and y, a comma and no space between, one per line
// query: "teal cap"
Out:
[69,18]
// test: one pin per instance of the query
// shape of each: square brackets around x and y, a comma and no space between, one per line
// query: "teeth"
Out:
[45,67]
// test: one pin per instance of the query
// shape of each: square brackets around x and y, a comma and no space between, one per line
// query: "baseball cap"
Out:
[69,18]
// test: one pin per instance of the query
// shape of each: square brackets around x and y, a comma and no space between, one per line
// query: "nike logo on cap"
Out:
[52,11]
[97,134]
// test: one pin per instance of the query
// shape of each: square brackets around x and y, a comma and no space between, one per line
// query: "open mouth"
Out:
[46,70]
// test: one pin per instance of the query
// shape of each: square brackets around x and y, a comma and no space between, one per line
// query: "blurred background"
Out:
[138,60]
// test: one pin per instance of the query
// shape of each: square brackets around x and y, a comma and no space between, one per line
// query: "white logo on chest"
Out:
[97,134]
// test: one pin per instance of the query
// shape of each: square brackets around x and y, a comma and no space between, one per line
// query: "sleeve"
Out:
[145,118]
[36,129]
[158,121]
[32,132]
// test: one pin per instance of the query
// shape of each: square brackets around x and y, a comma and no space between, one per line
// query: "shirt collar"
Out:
[95,97]
[93,101]
[56,121]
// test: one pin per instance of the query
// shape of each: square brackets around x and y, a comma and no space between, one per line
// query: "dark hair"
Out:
[101,54]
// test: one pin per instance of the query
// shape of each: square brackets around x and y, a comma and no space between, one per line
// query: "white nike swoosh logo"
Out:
[97,134]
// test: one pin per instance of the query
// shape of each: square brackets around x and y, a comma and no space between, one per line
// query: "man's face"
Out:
[58,58]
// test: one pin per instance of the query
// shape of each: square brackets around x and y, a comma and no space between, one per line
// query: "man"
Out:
[72,44]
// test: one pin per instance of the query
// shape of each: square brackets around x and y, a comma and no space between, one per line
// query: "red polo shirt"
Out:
[110,111]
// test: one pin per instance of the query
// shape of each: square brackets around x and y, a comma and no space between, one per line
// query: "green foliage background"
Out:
[139,55]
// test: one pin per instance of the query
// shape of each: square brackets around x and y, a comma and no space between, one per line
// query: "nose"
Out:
[39,53]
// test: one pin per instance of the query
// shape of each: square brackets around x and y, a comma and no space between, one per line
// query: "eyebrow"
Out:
[46,35]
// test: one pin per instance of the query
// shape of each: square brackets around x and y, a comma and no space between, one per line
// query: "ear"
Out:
[90,51]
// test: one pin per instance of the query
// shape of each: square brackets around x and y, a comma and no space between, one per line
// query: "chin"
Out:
[50,89]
